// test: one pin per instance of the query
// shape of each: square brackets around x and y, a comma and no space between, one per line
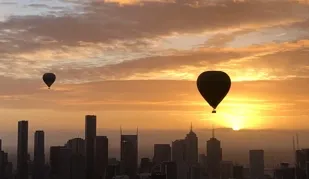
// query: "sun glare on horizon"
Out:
[236,127]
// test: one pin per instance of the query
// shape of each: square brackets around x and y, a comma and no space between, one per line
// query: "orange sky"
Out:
[136,64]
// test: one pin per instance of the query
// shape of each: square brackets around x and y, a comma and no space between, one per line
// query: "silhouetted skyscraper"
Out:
[256,160]
[129,155]
[78,161]
[60,162]
[77,145]
[191,143]
[178,150]
[162,153]
[39,155]
[178,156]
[90,138]
[22,150]
[101,156]
[214,156]
[0,145]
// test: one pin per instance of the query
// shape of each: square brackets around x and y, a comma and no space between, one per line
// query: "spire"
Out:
[297,142]
[191,128]
[213,131]
[137,131]
[120,130]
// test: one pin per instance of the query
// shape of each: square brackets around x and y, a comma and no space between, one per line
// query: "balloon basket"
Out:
[214,111]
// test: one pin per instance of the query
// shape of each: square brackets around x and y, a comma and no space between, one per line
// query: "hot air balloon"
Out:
[49,79]
[213,86]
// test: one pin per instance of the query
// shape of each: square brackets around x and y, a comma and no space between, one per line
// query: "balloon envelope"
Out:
[49,79]
[213,86]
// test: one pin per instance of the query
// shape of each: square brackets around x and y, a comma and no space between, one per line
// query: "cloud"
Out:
[103,23]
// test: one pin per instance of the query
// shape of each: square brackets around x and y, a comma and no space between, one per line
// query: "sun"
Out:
[236,127]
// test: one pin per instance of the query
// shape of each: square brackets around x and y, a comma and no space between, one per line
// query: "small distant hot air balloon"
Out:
[213,86]
[49,79]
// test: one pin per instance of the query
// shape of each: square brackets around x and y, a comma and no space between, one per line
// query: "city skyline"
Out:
[235,145]
[90,158]
[117,61]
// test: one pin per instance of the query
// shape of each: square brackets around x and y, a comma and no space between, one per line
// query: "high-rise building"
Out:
[214,157]
[178,150]
[226,169]
[78,163]
[60,162]
[129,155]
[162,153]
[77,146]
[178,156]
[101,156]
[22,150]
[39,155]
[191,142]
[90,138]
[256,162]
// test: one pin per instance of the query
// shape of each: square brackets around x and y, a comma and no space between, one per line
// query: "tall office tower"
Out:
[226,169]
[178,150]
[238,172]
[129,155]
[90,138]
[256,162]
[101,156]
[178,156]
[78,163]
[169,169]
[214,156]
[22,150]
[191,141]
[162,153]
[60,162]
[39,155]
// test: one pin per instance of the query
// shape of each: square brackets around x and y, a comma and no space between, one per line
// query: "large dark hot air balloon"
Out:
[49,79]
[213,86]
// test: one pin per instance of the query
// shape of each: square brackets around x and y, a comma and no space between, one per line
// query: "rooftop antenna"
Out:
[191,127]
[213,131]
[297,142]
[137,131]
[120,130]
[294,154]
